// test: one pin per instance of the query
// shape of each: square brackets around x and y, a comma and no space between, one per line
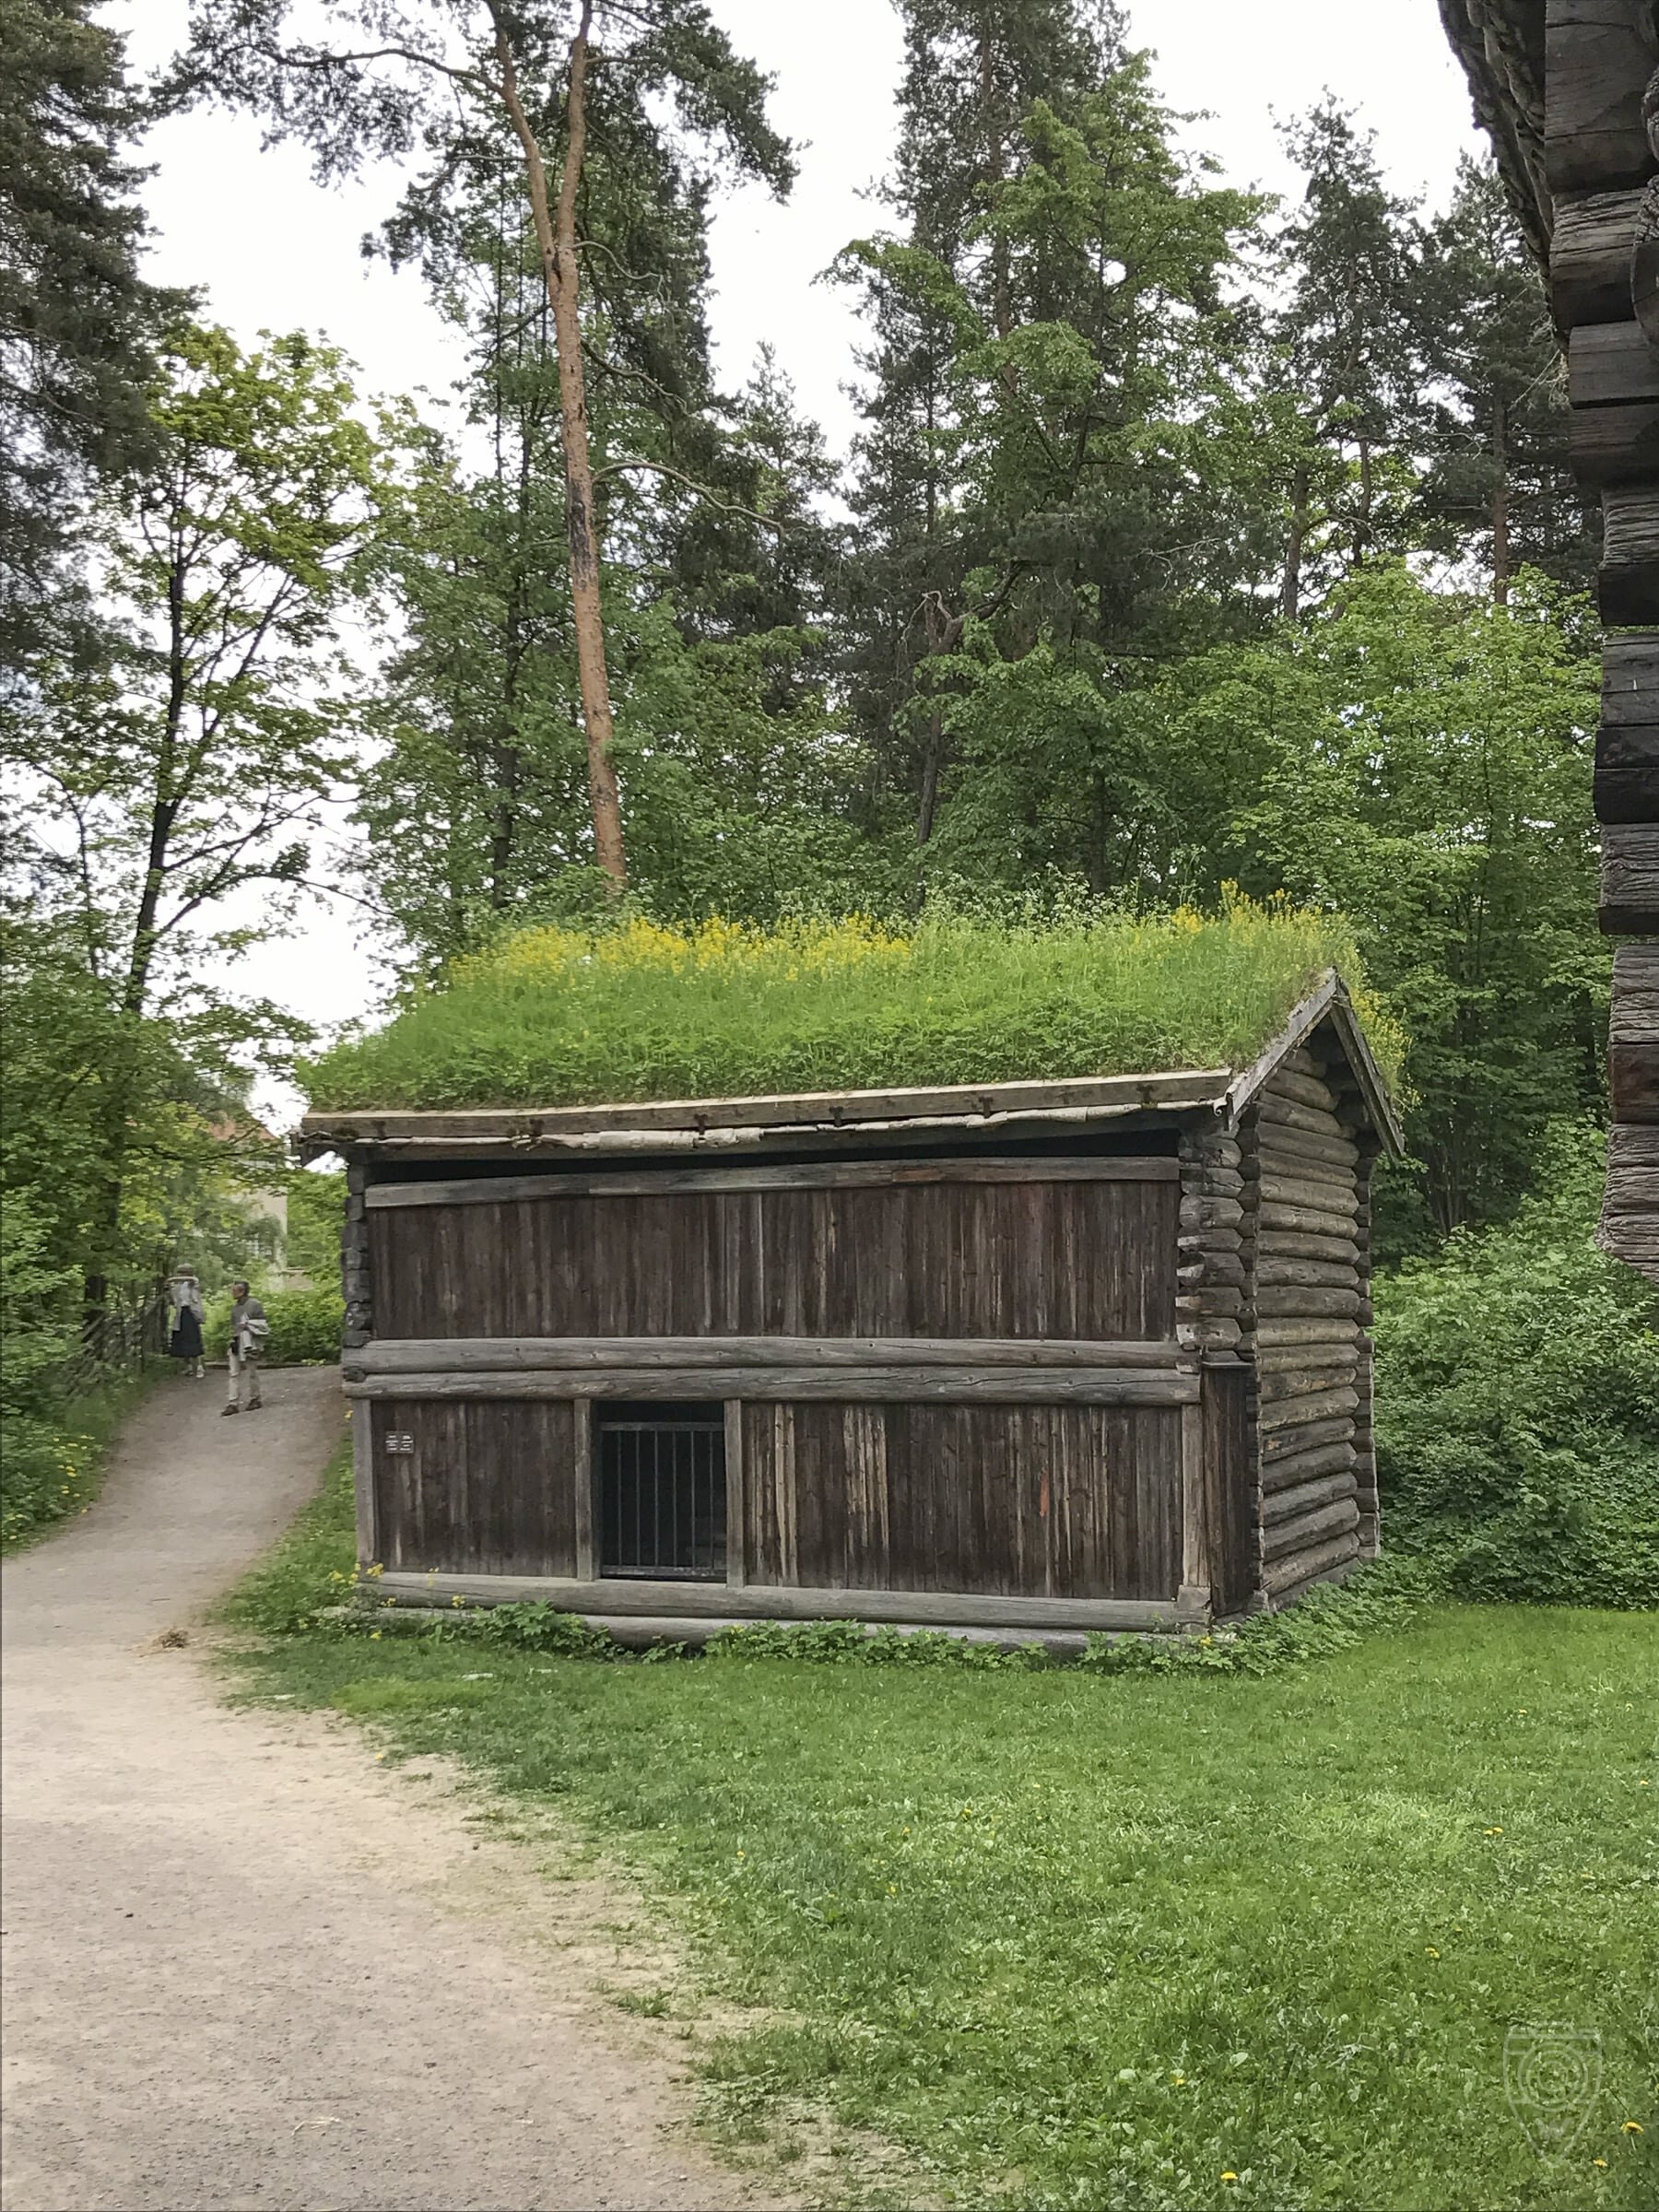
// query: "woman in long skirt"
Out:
[186,1343]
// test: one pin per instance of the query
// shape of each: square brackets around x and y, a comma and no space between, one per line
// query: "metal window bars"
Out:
[661,1495]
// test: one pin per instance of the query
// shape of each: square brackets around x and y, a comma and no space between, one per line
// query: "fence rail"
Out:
[131,1329]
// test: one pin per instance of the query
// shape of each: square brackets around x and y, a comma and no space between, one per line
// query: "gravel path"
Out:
[245,1967]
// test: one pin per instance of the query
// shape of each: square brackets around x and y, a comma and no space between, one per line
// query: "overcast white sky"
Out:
[274,251]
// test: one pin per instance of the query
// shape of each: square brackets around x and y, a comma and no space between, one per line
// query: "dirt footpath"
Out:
[245,1967]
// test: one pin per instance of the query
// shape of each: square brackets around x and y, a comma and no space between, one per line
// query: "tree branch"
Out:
[661,468]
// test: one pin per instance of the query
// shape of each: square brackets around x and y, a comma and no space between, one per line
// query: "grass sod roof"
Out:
[641,1013]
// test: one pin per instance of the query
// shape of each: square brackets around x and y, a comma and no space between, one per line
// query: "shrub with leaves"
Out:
[1518,1402]
[305,1327]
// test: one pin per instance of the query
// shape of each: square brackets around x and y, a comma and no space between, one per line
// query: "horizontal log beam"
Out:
[1610,364]
[1630,679]
[1590,257]
[1615,445]
[1314,1222]
[1323,1274]
[1630,879]
[762,1601]
[1286,1114]
[521,1355]
[1317,1329]
[685,1121]
[1286,1575]
[1293,1470]
[1310,1191]
[1628,582]
[1315,1407]
[1290,1444]
[1272,1300]
[1598,55]
[861,1174]
[1298,1245]
[1311,1529]
[1634,1036]
[1627,772]
[890,1385]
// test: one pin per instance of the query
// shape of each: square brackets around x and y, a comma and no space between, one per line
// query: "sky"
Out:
[271,249]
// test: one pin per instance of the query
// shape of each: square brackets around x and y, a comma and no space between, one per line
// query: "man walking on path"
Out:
[248,1330]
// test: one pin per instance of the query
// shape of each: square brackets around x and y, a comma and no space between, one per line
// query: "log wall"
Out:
[1306,1225]
[1602,130]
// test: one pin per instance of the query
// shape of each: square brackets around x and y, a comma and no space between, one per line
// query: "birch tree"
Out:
[388,80]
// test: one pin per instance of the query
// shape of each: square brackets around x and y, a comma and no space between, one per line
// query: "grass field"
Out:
[1138,1941]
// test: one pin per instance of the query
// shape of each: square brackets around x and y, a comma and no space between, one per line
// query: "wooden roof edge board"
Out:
[774,1174]
[1328,1002]
[692,1122]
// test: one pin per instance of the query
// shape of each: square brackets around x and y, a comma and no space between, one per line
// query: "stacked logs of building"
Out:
[1306,1232]
[1274,1274]
[1569,91]
[1602,152]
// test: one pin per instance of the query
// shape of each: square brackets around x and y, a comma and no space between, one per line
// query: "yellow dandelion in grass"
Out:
[1494,1832]
[1430,1950]
[1229,2175]
[1632,2127]
[1601,2163]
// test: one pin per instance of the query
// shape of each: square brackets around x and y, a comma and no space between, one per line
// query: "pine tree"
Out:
[1497,482]
[1346,336]
[1054,454]
[76,320]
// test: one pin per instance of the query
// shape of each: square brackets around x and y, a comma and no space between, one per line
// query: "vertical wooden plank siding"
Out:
[582,1545]
[1021,1259]
[363,1483]
[1231,1486]
[489,1488]
[737,1496]
[1040,1500]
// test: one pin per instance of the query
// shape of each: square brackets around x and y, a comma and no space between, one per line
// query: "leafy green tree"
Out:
[1422,762]
[190,765]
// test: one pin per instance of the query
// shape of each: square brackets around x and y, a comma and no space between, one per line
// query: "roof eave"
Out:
[1329,1001]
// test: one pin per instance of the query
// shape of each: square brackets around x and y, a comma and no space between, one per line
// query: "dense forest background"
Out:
[1188,540]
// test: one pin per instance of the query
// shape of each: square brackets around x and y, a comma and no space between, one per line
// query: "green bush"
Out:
[1518,1402]
[305,1327]
[560,1016]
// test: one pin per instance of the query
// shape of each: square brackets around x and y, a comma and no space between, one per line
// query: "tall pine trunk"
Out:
[1296,539]
[556,239]
[1500,520]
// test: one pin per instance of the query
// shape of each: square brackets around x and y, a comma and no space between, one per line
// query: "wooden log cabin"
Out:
[1569,91]
[1019,1358]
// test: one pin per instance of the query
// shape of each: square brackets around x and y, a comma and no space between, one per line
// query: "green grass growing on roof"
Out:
[558,1017]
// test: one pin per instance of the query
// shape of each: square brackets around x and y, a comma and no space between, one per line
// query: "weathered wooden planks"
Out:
[485,1488]
[1053,1260]
[1627,581]
[1060,1502]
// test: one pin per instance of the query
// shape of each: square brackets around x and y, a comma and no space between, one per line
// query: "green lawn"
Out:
[1113,1941]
